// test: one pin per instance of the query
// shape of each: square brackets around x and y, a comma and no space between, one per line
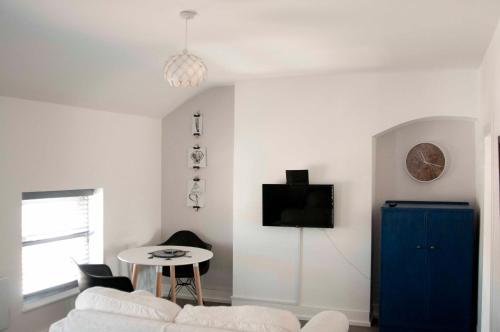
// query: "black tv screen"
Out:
[297,205]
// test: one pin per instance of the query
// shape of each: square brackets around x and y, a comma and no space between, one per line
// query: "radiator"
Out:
[4,304]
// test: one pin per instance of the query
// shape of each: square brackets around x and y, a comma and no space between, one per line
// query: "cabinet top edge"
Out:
[454,203]
[427,207]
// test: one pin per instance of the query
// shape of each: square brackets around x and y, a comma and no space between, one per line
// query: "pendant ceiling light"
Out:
[185,70]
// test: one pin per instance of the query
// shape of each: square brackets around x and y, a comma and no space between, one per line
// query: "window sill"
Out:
[43,301]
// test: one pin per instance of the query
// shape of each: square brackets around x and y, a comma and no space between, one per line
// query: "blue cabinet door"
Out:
[451,265]
[403,280]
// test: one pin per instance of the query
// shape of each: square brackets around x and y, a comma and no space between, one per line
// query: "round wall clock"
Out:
[425,162]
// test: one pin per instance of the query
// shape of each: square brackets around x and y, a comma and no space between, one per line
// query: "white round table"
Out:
[141,256]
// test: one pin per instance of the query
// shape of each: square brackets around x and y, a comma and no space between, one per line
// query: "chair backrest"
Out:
[89,272]
[99,270]
[187,238]
[92,275]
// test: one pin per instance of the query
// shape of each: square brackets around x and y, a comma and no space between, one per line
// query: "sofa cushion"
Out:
[96,321]
[172,327]
[241,318]
[136,304]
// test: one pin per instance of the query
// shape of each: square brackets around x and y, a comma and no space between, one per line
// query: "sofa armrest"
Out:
[327,321]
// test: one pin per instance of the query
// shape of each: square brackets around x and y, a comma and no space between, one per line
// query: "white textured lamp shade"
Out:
[185,70]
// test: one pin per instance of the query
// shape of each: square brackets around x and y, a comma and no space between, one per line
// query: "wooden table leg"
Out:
[197,282]
[135,272]
[173,284]
[159,277]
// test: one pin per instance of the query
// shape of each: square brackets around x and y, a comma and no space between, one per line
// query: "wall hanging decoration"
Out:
[197,124]
[197,157]
[196,193]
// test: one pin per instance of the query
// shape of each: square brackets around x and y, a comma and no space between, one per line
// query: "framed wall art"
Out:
[197,124]
[196,193]
[197,157]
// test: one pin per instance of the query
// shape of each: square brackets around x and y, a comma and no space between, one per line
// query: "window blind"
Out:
[55,230]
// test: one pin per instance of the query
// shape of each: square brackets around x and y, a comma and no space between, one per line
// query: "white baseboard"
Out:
[210,295]
[356,317]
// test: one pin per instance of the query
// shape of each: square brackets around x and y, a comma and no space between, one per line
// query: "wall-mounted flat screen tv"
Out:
[297,205]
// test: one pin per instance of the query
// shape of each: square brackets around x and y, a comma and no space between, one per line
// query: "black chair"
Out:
[184,274]
[92,275]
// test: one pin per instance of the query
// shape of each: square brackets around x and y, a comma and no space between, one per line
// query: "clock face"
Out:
[425,162]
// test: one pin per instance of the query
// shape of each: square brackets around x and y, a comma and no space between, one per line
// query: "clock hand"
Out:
[423,158]
[433,164]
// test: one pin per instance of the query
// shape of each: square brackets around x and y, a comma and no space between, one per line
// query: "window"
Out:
[57,228]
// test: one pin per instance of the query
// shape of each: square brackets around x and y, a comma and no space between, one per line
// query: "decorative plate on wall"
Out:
[425,162]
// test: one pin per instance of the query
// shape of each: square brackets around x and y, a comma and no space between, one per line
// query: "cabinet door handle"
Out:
[419,246]
[432,247]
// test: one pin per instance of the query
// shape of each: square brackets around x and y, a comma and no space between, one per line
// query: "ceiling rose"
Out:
[185,70]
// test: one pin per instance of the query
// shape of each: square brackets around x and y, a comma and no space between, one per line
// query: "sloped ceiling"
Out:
[108,55]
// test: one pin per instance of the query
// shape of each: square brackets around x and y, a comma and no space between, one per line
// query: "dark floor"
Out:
[362,329]
[182,302]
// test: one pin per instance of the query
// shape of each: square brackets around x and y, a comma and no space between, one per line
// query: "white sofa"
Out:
[106,310]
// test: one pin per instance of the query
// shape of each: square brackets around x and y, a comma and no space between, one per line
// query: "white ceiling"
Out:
[109,54]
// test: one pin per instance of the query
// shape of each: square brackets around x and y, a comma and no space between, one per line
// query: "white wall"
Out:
[213,223]
[52,147]
[456,136]
[489,131]
[325,124]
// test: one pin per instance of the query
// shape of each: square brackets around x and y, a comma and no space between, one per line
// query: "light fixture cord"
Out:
[186,36]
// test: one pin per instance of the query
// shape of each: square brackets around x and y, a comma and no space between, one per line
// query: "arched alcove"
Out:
[455,135]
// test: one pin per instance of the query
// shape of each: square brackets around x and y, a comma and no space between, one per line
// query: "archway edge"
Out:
[424,119]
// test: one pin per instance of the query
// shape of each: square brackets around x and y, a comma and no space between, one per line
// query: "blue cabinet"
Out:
[428,267]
